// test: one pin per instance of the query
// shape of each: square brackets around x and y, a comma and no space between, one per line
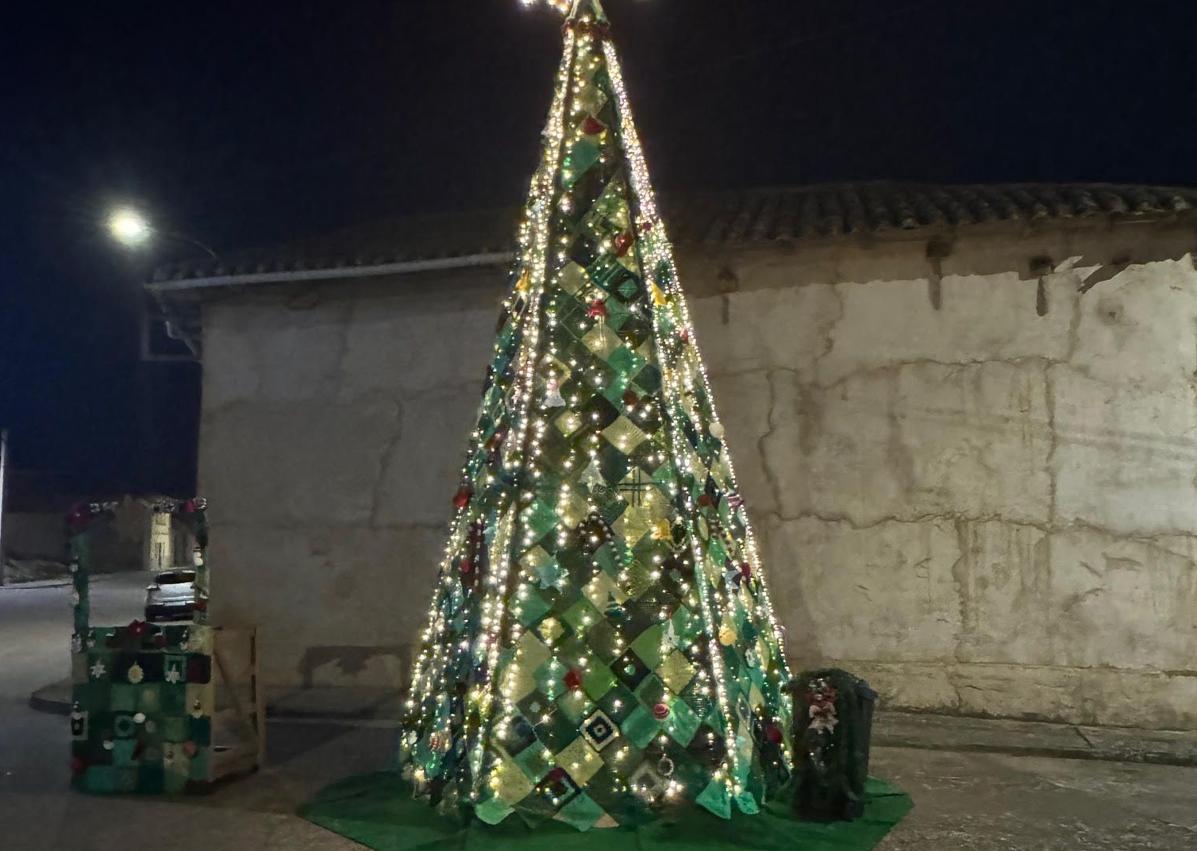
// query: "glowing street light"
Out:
[132,230]
[128,226]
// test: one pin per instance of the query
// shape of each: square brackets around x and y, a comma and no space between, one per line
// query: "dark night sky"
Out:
[242,123]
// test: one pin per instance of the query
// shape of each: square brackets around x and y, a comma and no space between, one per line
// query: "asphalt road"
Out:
[35,629]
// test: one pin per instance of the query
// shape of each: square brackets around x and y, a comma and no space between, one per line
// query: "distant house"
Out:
[963,416]
[34,530]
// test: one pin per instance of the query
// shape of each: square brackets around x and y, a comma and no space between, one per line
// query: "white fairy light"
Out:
[533,305]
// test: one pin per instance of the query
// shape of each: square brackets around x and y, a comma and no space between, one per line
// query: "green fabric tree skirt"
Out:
[377,811]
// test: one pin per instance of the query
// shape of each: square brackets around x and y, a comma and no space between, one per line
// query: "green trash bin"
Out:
[833,726]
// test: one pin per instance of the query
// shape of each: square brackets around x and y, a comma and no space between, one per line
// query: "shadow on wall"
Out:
[352,661]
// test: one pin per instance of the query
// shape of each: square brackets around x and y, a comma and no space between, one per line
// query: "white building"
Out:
[963,417]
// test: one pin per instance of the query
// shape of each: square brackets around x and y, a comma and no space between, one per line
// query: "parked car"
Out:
[172,596]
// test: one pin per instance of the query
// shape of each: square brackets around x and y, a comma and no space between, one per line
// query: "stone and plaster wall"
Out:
[42,536]
[974,484]
[35,535]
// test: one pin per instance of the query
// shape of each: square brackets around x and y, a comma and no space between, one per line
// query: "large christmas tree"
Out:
[601,643]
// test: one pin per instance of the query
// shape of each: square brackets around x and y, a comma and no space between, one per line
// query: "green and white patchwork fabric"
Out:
[600,643]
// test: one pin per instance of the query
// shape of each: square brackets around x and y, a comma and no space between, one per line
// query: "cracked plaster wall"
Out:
[981,498]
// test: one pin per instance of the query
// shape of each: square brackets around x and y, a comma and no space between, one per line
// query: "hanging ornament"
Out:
[623,242]
[614,610]
[78,722]
[597,309]
[525,282]
[672,639]
[661,711]
[463,496]
[773,733]
[665,766]
[495,441]
[467,566]
[727,636]
[553,397]
[745,570]
[716,430]
[631,399]
[573,679]
[136,673]
[659,298]
[592,126]
[662,531]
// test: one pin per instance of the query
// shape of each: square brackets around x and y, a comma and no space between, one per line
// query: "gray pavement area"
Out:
[976,784]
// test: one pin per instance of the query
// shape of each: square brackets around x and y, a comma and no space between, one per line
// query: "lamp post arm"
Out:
[188,239]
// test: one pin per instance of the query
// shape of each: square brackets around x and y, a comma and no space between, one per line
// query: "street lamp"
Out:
[128,227]
[132,230]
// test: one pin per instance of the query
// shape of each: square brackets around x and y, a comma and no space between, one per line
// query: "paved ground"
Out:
[982,801]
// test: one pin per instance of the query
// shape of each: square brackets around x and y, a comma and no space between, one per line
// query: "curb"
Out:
[41,584]
[41,701]
[917,731]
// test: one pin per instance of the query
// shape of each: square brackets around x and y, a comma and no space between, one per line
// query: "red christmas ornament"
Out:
[685,335]
[630,398]
[597,309]
[496,439]
[746,570]
[773,734]
[138,628]
[622,243]
[705,500]
[573,680]
[660,711]
[592,126]
[462,497]
[467,566]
